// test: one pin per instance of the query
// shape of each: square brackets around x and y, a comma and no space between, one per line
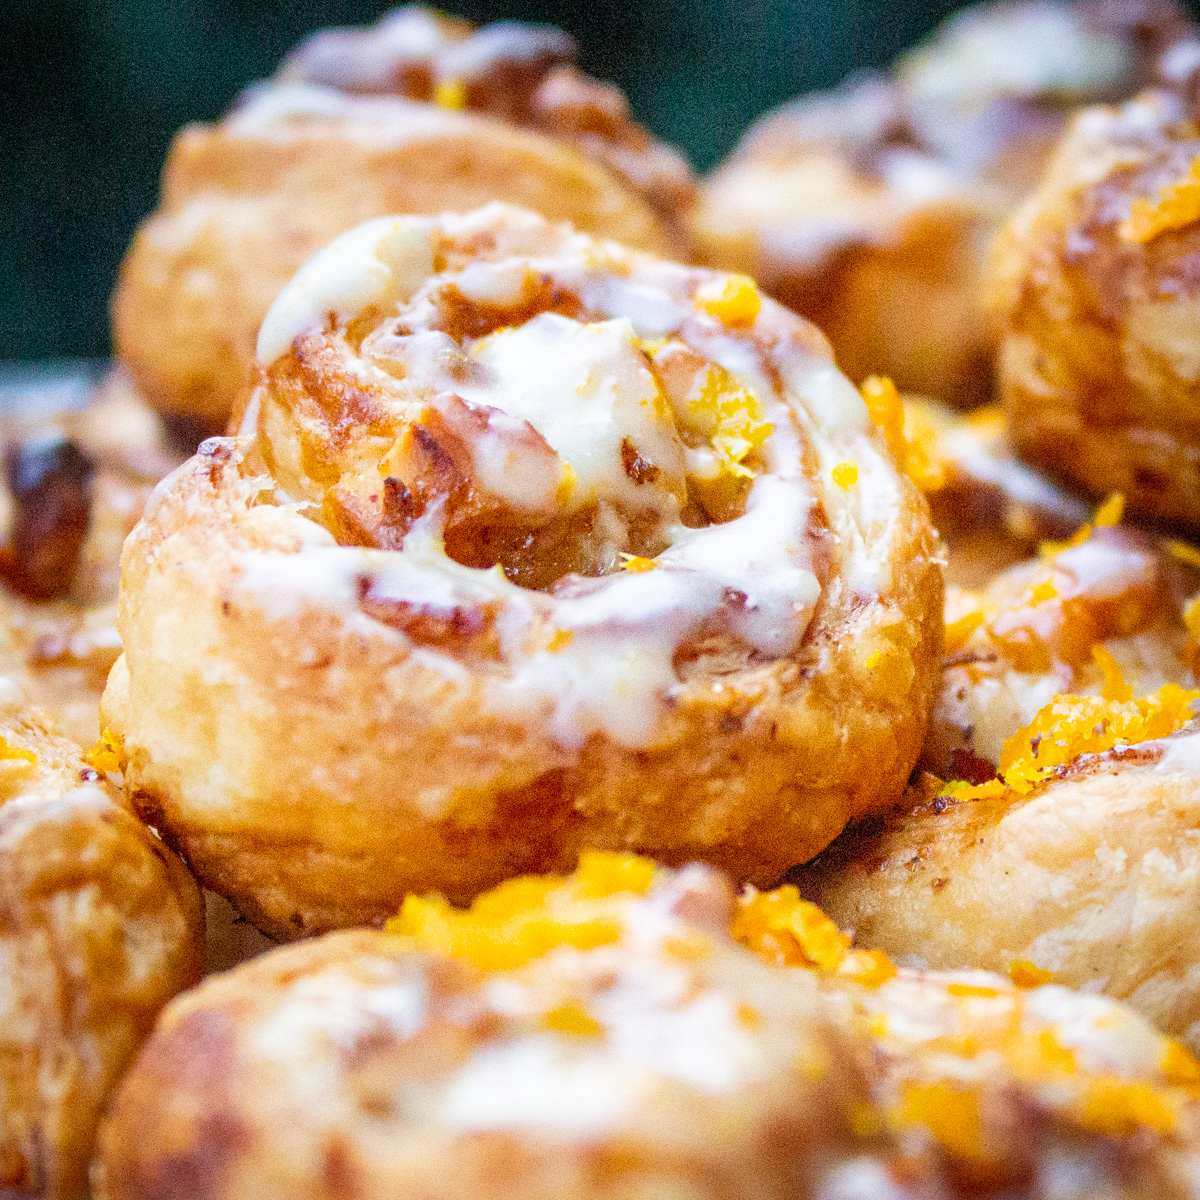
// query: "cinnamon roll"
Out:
[418,114]
[870,209]
[528,542]
[100,926]
[1092,283]
[606,1035]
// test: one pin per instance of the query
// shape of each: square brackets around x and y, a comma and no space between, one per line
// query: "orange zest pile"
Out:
[1176,206]
[108,754]
[525,918]
[1071,726]
[788,931]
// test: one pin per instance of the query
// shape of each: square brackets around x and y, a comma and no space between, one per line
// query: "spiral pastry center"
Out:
[576,460]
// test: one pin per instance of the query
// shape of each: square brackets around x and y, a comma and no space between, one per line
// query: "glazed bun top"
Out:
[520,73]
[624,461]
[987,95]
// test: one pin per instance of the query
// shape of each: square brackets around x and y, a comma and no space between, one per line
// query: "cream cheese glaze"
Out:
[559,403]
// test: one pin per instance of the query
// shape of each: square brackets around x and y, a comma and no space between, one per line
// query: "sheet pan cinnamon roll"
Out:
[629,1031]
[419,114]
[528,542]
[100,925]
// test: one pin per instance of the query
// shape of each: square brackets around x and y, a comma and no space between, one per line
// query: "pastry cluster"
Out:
[577,709]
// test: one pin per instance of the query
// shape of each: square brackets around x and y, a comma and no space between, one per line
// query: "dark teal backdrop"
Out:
[92,90]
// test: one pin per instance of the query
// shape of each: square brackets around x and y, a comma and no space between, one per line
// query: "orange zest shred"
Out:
[886,410]
[573,1020]
[525,918]
[924,461]
[1179,1064]
[845,474]
[1028,975]
[560,640]
[948,1111]
[958,633]
[1109,513]
[734,301]
[1115,689]
[1176,205]
[11,753]
[451,94]
[108,754]
[1116,1107]
[1191,622]
[911,436]
[867,967]
[788,931]
[636,563]
[1184,552]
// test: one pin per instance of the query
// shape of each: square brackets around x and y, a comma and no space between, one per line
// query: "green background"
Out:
[92,93]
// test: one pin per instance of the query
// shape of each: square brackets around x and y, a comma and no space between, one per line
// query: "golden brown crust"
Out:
[1092,877]
[1097,366]
[757,763]
[100,926]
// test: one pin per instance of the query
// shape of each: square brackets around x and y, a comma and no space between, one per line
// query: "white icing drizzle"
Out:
[543,1084]
[1180,753]
[385,259]
[592,390]
[585,389]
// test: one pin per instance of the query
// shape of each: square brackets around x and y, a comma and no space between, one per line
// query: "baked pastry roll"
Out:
[100,926]
[1067,716]
[1092,284]
[1056,624]
[1090,876]
[418,115]
[870,209]
[75,482]
[605,1035]
[528,543]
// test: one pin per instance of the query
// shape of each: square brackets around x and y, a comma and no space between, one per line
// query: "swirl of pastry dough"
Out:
[605,1035]
[100,926]
[415,115]
[528,543]
[1092,283]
